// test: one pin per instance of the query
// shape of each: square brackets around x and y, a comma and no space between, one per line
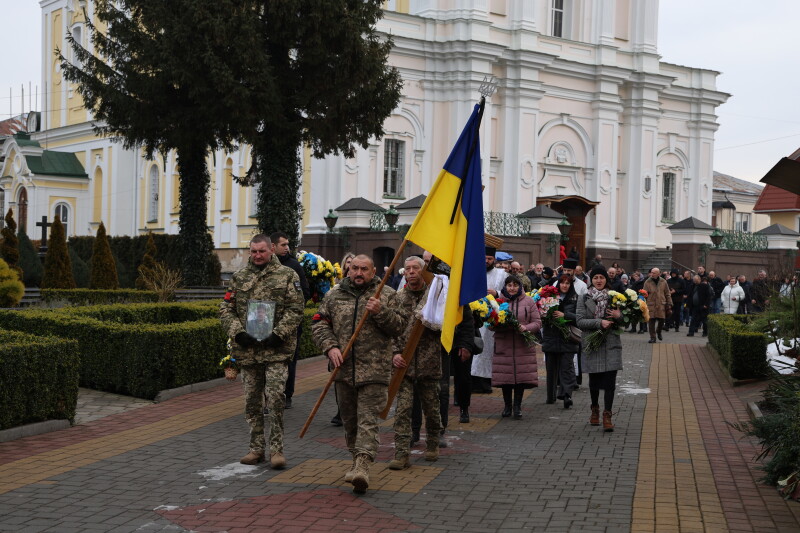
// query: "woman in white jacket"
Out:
[732,296]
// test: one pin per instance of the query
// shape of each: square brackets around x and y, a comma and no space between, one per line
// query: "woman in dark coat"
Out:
[514,362]
[559,352]
[602,364]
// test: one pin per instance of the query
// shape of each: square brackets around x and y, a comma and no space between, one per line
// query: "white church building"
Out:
[586,119]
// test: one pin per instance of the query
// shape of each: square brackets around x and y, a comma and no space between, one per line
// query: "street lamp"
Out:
[564,226]
[330,219]
[716,237]
[391,215]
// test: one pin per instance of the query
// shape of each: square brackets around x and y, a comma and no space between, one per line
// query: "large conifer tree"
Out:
[188,75]
[102,270]
[10,247]
[57,264]
[335,91]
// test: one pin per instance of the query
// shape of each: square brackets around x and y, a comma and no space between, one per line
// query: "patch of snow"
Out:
[230,470]
[627,389]
[166,508]
[779,362]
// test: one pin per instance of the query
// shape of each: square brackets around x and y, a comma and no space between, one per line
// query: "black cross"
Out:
[44,224]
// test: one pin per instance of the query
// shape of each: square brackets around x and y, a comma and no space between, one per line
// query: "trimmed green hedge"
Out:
[743,352]
[39,380]
[135,349]
[62,297]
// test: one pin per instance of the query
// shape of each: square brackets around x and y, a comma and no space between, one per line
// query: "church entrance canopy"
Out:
[575,208]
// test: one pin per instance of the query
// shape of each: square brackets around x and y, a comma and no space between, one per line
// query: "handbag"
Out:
[575,333]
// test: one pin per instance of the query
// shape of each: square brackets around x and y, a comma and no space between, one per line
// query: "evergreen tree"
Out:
[80,270]
[57,265]
[29,261]
[11,288]
[145,268]
[200,66]
[102,269]
[336,90]
[10,248]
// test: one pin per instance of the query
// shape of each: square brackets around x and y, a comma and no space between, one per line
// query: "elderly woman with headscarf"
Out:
[514,362]
[602,363]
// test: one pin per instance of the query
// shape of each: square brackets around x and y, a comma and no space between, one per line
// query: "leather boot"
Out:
[567,401]
[432,450]
[361,474]
[400,462]
[607,424]
[464,418]
[277,460]
[348,477]
[506,411]
[595,418]
[517,411]
[252,458]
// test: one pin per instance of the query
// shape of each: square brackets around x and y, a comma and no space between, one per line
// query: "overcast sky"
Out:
[752,46]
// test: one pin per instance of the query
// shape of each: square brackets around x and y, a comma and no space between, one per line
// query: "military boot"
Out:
[252,458]
[401,461]
[432,450]
[348,477]
[277,460]
[361,474]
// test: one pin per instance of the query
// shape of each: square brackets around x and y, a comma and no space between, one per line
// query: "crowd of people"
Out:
[484,356]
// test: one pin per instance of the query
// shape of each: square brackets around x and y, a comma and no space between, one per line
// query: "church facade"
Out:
[586,119]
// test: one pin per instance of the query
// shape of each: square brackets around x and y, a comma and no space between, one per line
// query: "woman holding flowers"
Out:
[603,361]
[514,362]
[558,313]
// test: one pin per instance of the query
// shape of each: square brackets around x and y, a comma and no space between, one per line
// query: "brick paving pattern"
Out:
[672,464]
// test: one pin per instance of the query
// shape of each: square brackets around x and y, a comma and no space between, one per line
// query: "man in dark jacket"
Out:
[700,298]
[759,293]
[614,283]
[718,285]
[745,307]
[676,291]
[280,247]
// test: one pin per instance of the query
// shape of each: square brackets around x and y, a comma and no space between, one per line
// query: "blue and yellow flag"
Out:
[450,225]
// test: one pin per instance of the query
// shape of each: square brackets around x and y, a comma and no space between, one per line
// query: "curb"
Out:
[754,411]
[28,430]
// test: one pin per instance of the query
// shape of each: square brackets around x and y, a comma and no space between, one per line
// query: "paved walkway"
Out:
[673,464]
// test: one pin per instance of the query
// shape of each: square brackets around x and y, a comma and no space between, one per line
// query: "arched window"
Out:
[394,171]
[2,208]
[152,212]
[77,35]
[227,186]
[22,204]
[62,212]
[254,199]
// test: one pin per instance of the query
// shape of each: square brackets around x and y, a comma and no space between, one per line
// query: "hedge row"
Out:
[743,352]
[39,380]
[63,297]
[137,349]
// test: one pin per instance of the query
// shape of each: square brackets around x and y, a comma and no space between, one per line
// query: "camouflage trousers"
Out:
[427,391]
[258,378]
[359,408]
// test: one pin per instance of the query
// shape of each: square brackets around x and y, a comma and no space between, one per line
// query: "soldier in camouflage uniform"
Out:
[264,363]
[422,375]
[363,378]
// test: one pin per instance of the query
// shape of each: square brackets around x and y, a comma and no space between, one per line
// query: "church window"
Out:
[742,222]
[2,209]
[558,18]
[62,212]
[394,168]
[77,36]
[22,204]
[227,185]
[668,199]
[254,199]
[152,214]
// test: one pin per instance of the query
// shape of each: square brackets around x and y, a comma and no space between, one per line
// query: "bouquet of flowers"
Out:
[547,300]
[633,308]
[320,273]
[497,316]
[229,363]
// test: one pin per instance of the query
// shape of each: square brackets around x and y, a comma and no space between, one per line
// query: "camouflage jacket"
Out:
[427,361]
[277,283]
[370,360]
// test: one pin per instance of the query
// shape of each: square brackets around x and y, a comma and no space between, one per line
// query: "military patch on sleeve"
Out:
[320,318]
[230,295]
[297,286]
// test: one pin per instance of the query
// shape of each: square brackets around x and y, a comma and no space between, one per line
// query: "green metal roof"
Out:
[56,164]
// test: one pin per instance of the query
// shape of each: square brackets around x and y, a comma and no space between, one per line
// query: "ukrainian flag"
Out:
[450,225]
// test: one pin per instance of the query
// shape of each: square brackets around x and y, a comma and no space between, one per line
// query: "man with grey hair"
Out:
[760,292]
[517,270]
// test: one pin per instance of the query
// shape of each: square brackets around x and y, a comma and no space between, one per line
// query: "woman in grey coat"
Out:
[602,364]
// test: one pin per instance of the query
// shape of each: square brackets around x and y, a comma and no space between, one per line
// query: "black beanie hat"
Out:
[599,269]
[510,278]
[547,271]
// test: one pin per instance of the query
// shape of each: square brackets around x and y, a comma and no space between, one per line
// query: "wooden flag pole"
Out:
[351,342]
[400,373]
